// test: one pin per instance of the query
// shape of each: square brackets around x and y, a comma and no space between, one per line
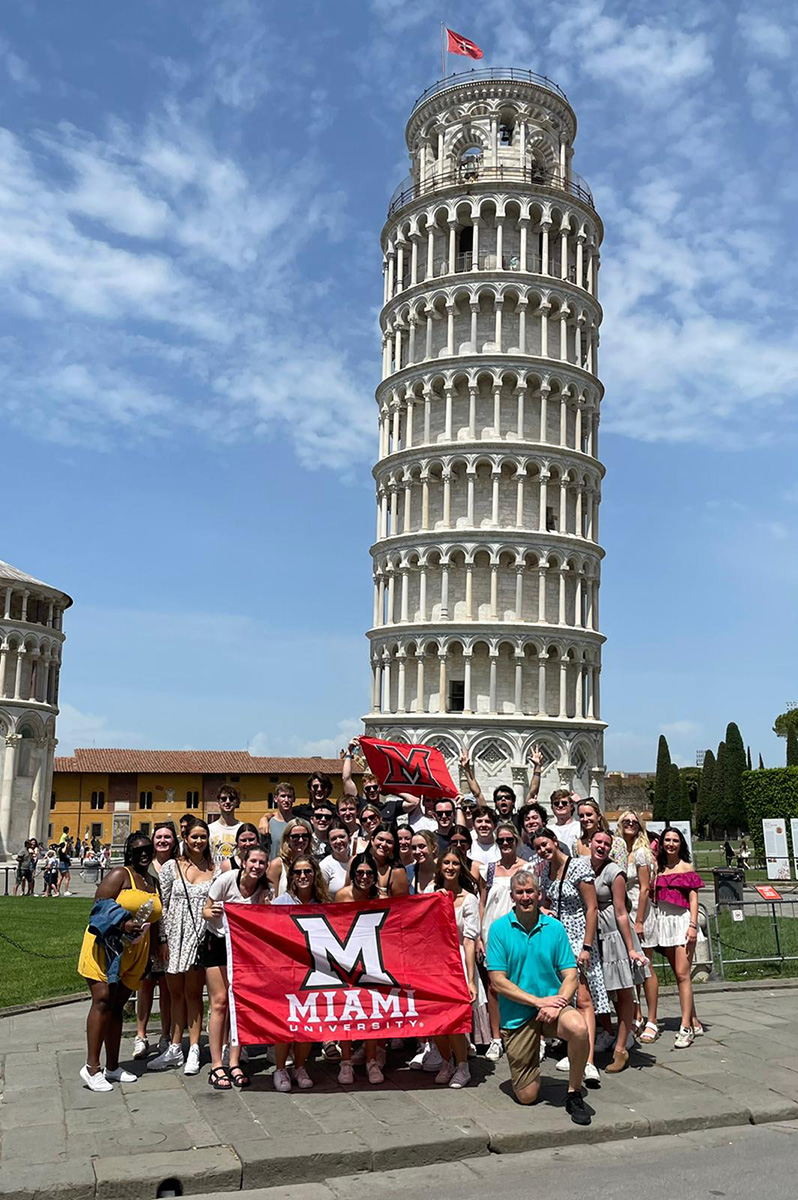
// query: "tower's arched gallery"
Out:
[487,559]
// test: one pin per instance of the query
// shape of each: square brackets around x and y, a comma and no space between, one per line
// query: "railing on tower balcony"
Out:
[480,73]
[464,263]
[474,172]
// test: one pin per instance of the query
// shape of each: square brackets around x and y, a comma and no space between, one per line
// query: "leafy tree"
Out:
[717,800]
[704,802]
[792,747]
[733,780]
[661,810]
[785,721]
[761,763]
[679,806]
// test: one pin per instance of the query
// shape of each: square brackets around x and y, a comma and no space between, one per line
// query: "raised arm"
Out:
[468,767]
[349,785]
[536,763]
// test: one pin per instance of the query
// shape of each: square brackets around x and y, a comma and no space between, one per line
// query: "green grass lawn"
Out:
[755,938]
[49,927]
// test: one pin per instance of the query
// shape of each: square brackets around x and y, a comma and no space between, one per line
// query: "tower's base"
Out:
[500,748]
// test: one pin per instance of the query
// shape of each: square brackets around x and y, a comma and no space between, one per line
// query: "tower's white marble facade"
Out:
[486,559]
[31,641]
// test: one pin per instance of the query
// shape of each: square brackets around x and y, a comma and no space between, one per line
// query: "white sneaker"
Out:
[445,1073]
[417,1061]
[374,1072]
[461,1077]
[171,1057]
[192,1061]
[302,1079]
[96,1083]
[495,1050]
[592,1077]
[604,1040]
[684,1038]
[120,1075]
[346,1073]
[282,1081]
[69,893]
[140,1047]
[432,1059]
[563,1065]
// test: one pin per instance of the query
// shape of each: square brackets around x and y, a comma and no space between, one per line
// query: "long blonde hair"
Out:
[641,842]
[286,853]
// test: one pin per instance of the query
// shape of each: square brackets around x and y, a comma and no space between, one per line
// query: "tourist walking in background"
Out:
[114,957]
[164,841]
[185,882]
[677,888]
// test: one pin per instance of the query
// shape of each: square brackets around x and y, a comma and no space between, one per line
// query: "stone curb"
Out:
[255,1164]
[669,989]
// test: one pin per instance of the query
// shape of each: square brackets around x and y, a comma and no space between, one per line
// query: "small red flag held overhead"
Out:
[462,45]
[417,770]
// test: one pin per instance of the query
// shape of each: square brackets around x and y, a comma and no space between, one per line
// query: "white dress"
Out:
[498,900]
[651,925]
[183,922]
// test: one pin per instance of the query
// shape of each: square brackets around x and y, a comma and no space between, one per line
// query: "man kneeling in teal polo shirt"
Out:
[533,971]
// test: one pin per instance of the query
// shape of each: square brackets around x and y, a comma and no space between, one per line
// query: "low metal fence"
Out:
[88,873]
[751,932]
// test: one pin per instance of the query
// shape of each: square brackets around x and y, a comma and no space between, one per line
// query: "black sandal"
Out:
[243,1082]
[215,1077]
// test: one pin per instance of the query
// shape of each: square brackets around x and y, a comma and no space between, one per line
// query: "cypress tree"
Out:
[703,805]
[761,763]
[661,809]
[736,817]
[748,759]
[678,796]
[717,799]
[792,747]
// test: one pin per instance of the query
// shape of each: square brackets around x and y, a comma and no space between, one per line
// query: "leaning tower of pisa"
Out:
[486,559]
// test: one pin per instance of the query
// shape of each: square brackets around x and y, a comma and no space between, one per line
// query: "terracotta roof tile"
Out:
[190,762]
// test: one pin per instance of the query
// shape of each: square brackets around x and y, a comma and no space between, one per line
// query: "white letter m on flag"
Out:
[336,962]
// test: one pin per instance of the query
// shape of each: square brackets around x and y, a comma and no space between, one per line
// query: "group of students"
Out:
[610,899]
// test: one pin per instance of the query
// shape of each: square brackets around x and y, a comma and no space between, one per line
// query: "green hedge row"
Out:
[769,793]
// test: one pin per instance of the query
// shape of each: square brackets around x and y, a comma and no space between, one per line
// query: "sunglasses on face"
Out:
[322,816]
[303,871]
[630,824]
[297,837]
[364,874]
[442,814]
[371,787]
[505,841]
[559,804]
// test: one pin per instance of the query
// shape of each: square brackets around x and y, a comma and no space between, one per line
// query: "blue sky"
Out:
[191,196]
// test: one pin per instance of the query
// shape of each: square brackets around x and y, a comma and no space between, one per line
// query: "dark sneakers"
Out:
[575,1107]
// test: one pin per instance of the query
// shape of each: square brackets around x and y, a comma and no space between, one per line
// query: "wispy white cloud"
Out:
[76,728]
[327,746]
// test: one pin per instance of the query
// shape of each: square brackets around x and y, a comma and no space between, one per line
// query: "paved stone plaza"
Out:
[61,1140]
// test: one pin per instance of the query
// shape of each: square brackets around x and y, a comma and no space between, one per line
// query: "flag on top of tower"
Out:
[462,45]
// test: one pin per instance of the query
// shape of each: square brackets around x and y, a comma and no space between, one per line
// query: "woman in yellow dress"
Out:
[114,957]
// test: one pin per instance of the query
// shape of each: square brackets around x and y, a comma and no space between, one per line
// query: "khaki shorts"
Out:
[523,1051]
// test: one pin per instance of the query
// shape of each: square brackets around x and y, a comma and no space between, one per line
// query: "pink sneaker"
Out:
[346,1073]
[374,1072]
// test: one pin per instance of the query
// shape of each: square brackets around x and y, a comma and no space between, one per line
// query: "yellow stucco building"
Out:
[162,785]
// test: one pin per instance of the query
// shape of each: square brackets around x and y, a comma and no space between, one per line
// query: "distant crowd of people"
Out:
[53,863]
[557,919]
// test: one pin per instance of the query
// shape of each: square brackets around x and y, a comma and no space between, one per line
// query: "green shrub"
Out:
[772,792]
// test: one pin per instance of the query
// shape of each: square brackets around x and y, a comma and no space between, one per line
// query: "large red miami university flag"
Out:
[417,770]
[320,972]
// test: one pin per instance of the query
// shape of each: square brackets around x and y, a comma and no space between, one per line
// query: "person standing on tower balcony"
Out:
[390,806]
[223,832]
